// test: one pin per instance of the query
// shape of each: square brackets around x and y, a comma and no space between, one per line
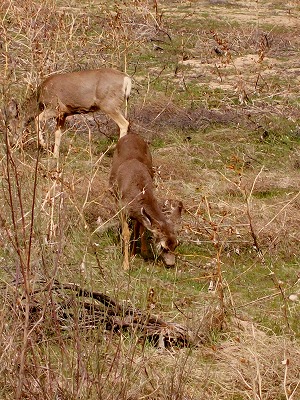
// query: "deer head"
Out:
[164,234]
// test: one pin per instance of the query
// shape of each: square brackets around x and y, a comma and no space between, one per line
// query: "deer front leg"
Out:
[144,247]
[60,122]
[126,242]
[135,238]
[41,140]
[57,135]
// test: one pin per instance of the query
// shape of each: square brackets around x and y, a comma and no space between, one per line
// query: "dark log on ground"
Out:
[90,308]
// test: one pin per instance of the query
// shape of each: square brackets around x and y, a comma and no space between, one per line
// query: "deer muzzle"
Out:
[168,258]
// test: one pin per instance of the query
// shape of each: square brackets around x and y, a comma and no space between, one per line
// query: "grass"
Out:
[224,145]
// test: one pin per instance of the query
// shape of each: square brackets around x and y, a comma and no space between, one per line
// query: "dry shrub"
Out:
[98,203]
[40,38]
[235,195]
[256,365]
[272,208]
[161,114]
[59,38]
[275,225]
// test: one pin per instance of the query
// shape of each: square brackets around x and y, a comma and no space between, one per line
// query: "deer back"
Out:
[85,91]
[131,147]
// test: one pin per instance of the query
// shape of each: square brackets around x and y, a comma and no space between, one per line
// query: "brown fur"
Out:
[81,92]
[132,177]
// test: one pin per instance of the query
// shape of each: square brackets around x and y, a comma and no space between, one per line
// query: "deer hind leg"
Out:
[119,120]
[136,237]
[60,122]
[145,253]
[140,237]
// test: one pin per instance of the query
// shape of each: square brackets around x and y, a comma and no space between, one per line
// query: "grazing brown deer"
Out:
[80,92]
[132,179]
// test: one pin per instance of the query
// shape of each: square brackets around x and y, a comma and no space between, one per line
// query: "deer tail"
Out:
[127,90]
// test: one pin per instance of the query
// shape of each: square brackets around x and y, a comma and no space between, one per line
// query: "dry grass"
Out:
[256,365]
[216,92]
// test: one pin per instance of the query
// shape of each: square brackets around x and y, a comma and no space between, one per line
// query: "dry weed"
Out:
[209,147]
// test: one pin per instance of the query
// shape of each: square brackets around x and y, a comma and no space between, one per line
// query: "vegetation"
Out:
[216,94]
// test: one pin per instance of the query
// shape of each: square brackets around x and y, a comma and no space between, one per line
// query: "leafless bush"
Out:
[49,213]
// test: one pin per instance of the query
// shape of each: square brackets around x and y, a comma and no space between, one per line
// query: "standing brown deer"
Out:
[81,92]
[132,179]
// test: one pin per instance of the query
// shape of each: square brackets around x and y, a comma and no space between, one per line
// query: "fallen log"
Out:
[91,308]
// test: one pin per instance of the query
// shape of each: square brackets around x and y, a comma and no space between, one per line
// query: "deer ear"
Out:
[146,218]
[176,211]
[173,210]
